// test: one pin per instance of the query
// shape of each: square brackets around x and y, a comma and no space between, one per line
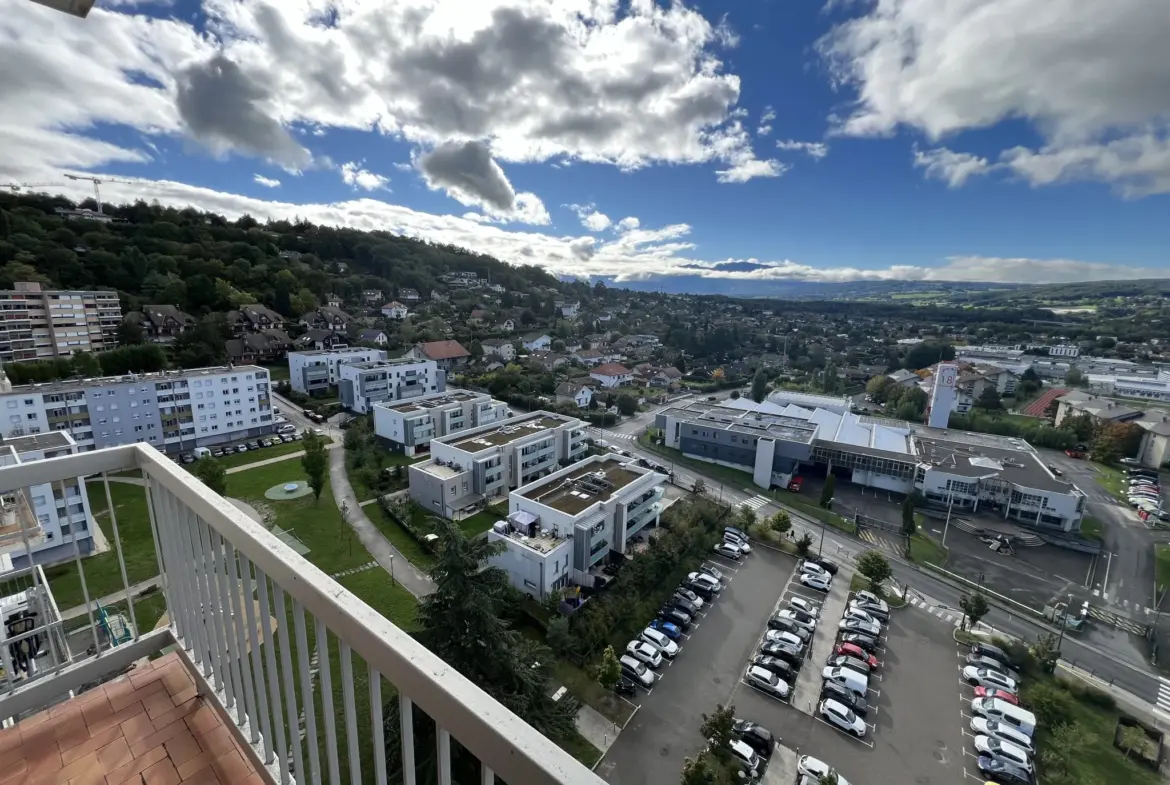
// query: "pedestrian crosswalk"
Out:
[1163,695]
[598,433]
[879,542]
[755,503]
[947,615]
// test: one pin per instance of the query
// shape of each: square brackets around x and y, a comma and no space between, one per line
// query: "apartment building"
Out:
[561,528]
[360,385]
[315,372]
[37,323]
[172,411]
[468,469]
[41,522]
[411,425]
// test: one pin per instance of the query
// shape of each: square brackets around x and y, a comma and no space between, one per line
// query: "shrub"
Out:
[1051,704]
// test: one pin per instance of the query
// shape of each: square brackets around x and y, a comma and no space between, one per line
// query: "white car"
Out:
[645,652]
[746,756]
[854,612]
[985,677]
[707,580]
[780,636]
[805,606]
[665,645]
[985,726]
[729,551]
[818,582]
[815,569]
[1003,751]
[812,767]
[794,617]
[713,571]
[869,598]
[842,716]
[743,545]
[870,628]
[766,681]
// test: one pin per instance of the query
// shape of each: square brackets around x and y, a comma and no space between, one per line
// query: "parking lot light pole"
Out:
[1063,622]
[947,525]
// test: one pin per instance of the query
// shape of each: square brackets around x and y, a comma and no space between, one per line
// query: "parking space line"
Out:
[877,693]
[843,733]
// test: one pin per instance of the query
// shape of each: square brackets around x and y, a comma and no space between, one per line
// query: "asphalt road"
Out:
[665,730]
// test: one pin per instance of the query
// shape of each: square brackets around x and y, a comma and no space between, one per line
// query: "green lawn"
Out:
[580,748]
[278,372]
[399,538]
[483,520]
[252,456]
[924,548]
[1112,479]
[1091,528]
[1162,566]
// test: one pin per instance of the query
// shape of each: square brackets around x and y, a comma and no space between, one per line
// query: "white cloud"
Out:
[353,175]
[590,218]
[468,174]
[628,223]
[814,150]
[1092,83]
[267,182]
[766,118]
[952,168]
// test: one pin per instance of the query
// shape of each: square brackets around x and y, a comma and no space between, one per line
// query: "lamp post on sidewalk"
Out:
[947,525]
[1063,622]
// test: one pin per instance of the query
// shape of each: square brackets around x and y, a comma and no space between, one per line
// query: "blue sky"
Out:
[987,150]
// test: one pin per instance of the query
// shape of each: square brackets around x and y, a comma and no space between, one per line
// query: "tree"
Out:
[827,490]
[745,517]
[609,670]
[759,386]
[1116,440]
[717,730]
[85,364]
[315,462]
[909,526]
[804,545]
[879,387]
[734,394]
[1074,377]
[876,568]
[1066,740]
[594,403]
[988,400]
[781,523]
[974,607]
[1045,652]
[700,487]
[1131,738]
[698,771]
[211,473]
[560,637]
[627,405]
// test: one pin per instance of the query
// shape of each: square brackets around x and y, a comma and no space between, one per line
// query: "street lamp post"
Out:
[392,581]
[947,525]
[1063,622]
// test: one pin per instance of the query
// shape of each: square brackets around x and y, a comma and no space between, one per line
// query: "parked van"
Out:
[201,452]
[1013,716]
[637,671]
[851,680]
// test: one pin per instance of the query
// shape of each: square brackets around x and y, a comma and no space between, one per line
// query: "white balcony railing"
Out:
[220,573]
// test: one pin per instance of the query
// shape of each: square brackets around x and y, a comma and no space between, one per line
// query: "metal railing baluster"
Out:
[273,675]
[310,707]
[347,698]
[327,711]
[290,695]
[257,666]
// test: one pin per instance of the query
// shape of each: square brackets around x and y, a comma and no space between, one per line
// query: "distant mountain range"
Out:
[814,290]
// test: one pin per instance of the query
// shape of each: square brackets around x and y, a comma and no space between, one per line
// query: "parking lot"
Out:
[665,730]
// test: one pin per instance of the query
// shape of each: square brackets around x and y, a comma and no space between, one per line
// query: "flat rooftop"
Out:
[506,434]
[53,440]
[66,385]
[587,484]
[369,365]
[427,404]
[342,350]
[1018,465]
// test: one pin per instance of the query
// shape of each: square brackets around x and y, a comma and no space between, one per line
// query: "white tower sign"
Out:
[942,400]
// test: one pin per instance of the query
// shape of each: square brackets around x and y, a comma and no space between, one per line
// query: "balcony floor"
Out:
[147,727]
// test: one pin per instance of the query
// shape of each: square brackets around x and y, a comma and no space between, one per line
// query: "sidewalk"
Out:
[267,461]
[391,559]
[110,599]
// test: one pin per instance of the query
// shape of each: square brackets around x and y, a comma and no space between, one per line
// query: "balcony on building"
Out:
[261,670]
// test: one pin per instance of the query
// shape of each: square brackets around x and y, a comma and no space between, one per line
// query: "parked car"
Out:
[870,628]
[857,653]
[859,614]
[985,726]
[689,595]
[288,437]
[647,653]
[287,428]
[1003,751]
[241,448]
[217,453]
[187,457]
[784,651]
[842,694]
[825,564]
[676,617]
[985,677]
[666,647]
[766,681]
[805,606]
[816,581]
[745,758]
[637,671]
[852,663]
[1129,461]
[703,577]
[743,545]
[984,661]
[735,532]
[812,767]
[782,636]
[842,717]
[788,625]
[701,589]
[797,617]
[778,666]
[625,686]
[990,692]
[869,598]
[713,571]
[728,551]
[865,642]
[855,682]
[667,628]
[1003,773]
[755,736]
[809,565]
[684,605]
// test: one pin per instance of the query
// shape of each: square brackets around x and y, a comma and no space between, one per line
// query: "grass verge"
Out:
[1091,528]
[479,523]
[580,748]
[252,456]
[1162,566]
[1113,480]
[924,549]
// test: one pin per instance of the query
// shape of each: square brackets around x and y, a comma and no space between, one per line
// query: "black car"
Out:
[1004,773]
[701,589]
[788,625]
[829,566]
[845,661]
[783,651]
[780,667]
[686,593]
[842,694]
[755,736]
[684,605]
[676,617]
[992,653]
[625,686]
[866,643]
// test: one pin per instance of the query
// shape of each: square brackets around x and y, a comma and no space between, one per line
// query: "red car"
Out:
[853,650]
[795,483]
[985,692]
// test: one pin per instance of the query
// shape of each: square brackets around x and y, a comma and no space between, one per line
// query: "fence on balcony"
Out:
[302,669]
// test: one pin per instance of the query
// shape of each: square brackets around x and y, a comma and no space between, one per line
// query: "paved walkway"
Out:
[411,578]
[597,729]
[268,461]
[110,599]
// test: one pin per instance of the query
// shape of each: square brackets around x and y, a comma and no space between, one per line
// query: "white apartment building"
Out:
[1127,386]
[411,425]
[468,469]
[172,411]
[564,526]
[362,384]
[1064,350]
[36,324]
[40,522]
[315,372]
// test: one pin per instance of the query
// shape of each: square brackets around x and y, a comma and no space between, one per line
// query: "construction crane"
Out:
[97,181]
[14,187]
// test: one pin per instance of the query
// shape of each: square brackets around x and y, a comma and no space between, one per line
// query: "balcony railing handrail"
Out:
[500,739]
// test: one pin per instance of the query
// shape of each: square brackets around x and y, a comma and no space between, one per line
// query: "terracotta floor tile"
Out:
[205,776]
[183,747]
[144,675]
[117,718]
[92,744]
[230,768]
[176,678]
[70,706]
[12,770]
[94,776]
[72,731]
[203,719]
[34,721]
[114,755]
[255,779]
[137,728]
[177,713]
[217,741]
[78,767]
[201,761]
[161,773]
[167,659]
[131,770]
[95,709]
[88,696]
[10,739]
[136,695]
[183,696]
[157,738]
[158,703]
[45,763]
